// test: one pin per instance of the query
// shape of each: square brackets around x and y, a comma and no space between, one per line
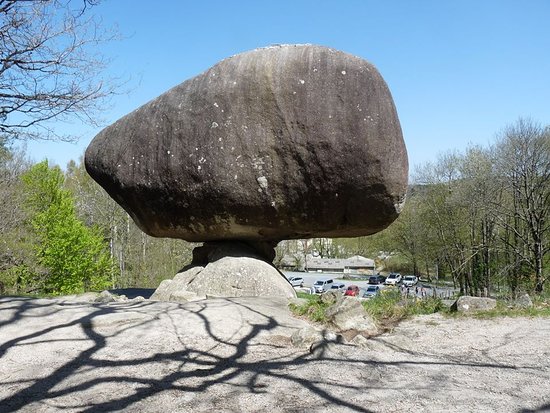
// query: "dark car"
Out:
[376,279]
[352,291]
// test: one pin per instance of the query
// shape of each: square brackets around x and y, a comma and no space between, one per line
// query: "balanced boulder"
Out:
[292,141]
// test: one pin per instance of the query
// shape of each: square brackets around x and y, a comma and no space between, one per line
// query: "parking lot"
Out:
[422,289]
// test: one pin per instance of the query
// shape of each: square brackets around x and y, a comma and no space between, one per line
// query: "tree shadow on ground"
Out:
[96,374]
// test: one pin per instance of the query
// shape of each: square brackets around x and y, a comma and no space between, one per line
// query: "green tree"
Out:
[74,257]
[141,260]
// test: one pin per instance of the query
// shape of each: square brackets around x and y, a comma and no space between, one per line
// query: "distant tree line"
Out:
[479,218]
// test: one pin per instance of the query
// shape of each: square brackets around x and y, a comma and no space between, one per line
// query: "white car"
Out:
[296,281]
[393,279]
[321,286]
[410,280]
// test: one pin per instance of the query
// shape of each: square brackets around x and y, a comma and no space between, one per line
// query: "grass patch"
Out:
[313,309]
[390,307]
[387,308]
[307,296]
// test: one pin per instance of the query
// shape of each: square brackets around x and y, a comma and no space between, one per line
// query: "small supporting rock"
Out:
[226,269]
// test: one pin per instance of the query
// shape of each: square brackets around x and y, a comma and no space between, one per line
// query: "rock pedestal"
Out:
[225,269]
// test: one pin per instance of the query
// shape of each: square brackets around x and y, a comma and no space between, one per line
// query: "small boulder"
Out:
[323,349]
[105,297]
[349,314]
[305,336]
[330,297]
[468,304]
[524,301]
[360,341]
[225,269]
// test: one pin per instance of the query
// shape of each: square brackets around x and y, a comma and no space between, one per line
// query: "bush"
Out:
[390,306]
[17,279]
[387,308]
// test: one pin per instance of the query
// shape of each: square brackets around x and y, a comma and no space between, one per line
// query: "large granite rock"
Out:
[284,142]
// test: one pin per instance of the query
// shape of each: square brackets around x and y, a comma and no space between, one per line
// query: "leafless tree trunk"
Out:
[523,164]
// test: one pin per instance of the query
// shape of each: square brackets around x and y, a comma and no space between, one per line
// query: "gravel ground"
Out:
[234,355]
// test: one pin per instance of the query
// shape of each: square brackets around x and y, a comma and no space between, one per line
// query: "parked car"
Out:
[352,291]
[320,286]
[393,279]
[338,287]
[371,291]
[376,279]
[296,281]
[410,280]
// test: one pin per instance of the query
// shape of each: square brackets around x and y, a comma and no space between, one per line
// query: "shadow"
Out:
[541,409]
[134,292]
[97,372]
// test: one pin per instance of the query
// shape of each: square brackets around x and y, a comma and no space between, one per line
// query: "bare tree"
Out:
[12,164]
[523,165]
[50,67]
[444,212]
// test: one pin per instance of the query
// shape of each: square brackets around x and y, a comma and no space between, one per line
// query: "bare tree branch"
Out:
[50,67]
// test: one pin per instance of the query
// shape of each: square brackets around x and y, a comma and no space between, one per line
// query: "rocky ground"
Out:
[235,355]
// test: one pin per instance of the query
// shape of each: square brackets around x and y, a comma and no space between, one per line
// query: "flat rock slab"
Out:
[235,355]
[292,141]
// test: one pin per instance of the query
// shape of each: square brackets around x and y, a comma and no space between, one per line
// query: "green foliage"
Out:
[17,278]
[73,255]
[386,308]
[390,306]
[141,260]
[428,305]
[313,309]
[386,305]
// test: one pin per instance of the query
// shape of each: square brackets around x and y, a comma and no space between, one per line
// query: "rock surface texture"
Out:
[284,142]
[235,355]
[347,313]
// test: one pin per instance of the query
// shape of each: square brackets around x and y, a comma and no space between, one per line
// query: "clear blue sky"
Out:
[459,71]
